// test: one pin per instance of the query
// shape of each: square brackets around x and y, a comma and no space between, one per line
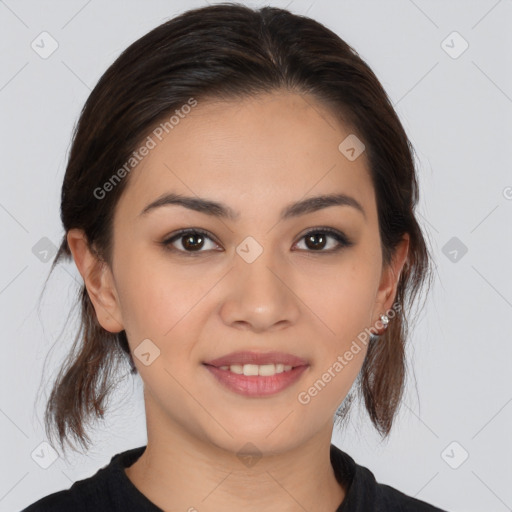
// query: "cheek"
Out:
[163,302]
[341,295]
[341,341]
[152,299]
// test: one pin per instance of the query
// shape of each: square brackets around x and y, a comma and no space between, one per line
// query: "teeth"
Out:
[266,370]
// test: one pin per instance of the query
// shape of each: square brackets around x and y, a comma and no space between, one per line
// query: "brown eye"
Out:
[316,240]
[188,241]
[193,241]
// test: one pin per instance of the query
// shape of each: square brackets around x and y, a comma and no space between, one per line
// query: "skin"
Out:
[255,155]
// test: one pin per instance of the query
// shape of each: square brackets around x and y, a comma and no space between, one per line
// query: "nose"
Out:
[259,295]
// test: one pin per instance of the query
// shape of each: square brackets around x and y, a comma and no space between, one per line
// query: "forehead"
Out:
[251,154]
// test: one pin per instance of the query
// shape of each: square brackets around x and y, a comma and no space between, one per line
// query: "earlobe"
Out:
[98,281]
[389,281]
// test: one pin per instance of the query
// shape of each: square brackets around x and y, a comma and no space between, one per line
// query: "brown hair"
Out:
[228,51]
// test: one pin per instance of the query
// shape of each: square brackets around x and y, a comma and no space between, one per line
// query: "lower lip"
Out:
[256,385]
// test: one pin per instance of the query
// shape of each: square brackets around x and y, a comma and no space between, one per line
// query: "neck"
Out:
[179,471]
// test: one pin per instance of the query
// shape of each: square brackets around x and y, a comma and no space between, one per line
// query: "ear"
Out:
[389,282]
[98,280]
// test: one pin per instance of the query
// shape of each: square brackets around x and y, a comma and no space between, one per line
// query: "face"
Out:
[262,277]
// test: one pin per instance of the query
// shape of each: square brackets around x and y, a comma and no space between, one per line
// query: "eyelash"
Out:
[340,237]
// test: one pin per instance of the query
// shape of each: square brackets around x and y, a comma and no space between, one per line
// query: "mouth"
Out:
[257,374]
[251,370]
[257,358]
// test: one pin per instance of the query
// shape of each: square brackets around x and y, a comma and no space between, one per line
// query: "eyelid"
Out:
[167,242]
[343,240]
[326,229]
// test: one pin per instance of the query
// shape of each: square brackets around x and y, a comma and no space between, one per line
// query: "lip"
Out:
[256,385]
[259,358]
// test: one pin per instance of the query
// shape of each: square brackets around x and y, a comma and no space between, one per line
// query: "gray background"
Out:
[457,112]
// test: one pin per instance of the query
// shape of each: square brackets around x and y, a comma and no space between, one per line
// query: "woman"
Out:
[239,200]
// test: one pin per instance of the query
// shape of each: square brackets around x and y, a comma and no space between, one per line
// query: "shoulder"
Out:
[386,498]
[56,502]
[107,489]
[90,493]
[365,493]
[84,495]
[394,500]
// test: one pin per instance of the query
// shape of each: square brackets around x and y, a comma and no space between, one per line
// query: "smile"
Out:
[256,380]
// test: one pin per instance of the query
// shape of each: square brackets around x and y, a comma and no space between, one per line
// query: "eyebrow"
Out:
[215,209]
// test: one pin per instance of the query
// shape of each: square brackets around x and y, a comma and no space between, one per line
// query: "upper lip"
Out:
[246,357]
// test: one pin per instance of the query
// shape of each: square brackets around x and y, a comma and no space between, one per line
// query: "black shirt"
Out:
[110,489]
